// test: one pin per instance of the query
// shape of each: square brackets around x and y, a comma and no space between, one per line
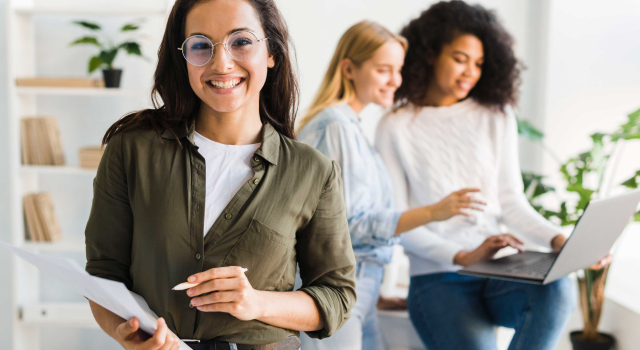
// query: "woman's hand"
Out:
[230,291]
[488,249]
[454,204]
[391,303]
[131,337]
[558,242]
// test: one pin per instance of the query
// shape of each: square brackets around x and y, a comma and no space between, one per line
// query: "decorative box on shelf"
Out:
[90,156]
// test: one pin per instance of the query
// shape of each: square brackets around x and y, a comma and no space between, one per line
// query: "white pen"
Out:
[187,285]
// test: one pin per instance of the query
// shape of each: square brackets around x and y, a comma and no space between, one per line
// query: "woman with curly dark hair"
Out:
[453,128]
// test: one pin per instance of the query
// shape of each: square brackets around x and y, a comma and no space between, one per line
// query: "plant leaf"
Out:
[132,48]
[598,138]
[130,27]
[87,40]
[542,189]
[108,56]
[584,193]
[88,25]
[636,217]
[533,185]
[529,131]
[94,63]
[633,181]
[629,130]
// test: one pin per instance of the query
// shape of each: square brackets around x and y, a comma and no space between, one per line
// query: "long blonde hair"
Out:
[358,43]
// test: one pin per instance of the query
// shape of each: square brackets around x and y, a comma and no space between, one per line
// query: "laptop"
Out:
[601,223]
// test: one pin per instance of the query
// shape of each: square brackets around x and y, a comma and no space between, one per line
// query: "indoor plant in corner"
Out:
[588,175]
[108,52]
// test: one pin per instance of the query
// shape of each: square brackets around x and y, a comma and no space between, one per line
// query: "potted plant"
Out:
[588,175]
[108,52]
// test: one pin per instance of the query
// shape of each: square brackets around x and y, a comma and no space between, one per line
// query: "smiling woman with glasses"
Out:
[207,188]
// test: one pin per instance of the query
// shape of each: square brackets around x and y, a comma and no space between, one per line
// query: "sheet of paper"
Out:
[113,296]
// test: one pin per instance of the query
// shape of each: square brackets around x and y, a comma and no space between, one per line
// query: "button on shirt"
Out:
[336,132]
[146,229]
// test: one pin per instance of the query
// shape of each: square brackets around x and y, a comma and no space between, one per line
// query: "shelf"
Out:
[89,11]
[56,169]
[61,91]
[66,244]
[58,314]
[31,307]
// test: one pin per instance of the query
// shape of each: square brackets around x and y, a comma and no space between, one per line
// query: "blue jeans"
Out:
[361,331]
[456,312]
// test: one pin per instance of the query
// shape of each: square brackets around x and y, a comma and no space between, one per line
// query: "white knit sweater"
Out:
[433,151]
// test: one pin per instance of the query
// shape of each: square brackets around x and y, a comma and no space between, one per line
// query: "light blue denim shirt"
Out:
[336,132]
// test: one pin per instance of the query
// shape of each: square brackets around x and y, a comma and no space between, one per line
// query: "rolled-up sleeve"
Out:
[109,230]
[326,259]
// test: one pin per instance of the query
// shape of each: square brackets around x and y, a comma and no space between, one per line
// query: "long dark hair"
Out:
[441,24]
[173,99]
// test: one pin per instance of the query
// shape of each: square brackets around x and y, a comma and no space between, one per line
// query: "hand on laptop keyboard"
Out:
[488,249]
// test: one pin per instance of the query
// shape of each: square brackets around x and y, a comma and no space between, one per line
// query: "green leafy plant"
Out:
[584,175]
[108,50]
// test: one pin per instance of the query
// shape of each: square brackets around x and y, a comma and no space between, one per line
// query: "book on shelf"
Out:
[40,216]
[90,156]
[61,82]
[40,141]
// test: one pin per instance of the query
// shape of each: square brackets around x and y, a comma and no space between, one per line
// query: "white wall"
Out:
[5,234]
[593,78]
[592,83]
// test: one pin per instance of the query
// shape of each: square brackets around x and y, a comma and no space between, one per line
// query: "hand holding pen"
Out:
[233,292]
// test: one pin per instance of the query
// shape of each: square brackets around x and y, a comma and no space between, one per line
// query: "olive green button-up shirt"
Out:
[147,221]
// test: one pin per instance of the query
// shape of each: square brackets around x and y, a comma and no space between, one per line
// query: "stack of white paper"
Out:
[111,295]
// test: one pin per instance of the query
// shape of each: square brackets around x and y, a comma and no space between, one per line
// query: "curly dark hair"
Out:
[441,24]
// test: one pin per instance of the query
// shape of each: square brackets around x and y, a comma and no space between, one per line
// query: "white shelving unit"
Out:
[30,313]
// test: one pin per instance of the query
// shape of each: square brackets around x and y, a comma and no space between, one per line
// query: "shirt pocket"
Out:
[264,252]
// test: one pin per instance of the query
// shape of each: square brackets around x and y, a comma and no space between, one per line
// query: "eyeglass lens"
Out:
[241,46]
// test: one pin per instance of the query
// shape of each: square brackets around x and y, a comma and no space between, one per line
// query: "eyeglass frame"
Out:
[224,44]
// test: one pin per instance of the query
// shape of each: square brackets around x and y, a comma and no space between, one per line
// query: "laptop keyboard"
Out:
[536,268]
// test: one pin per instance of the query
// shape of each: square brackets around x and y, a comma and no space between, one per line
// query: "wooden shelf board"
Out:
[89,11]
[57,169]
[66,244]
[57,91]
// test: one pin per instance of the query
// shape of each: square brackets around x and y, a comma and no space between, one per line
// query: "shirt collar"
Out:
[269,150]
[183,129]
[346,108]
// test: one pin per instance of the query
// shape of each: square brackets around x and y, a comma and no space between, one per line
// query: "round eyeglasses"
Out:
[241,46]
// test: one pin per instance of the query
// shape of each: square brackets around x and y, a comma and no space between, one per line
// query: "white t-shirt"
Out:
[228,168]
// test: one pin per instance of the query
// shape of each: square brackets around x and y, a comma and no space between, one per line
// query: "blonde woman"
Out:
[365,68]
